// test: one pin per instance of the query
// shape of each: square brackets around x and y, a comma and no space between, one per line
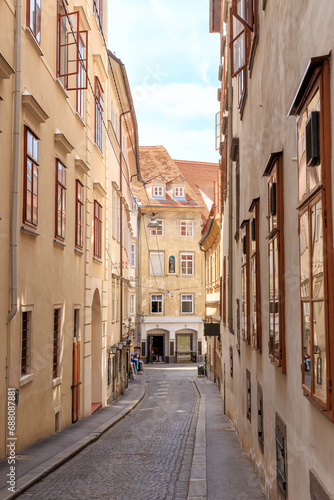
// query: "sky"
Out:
[172,64]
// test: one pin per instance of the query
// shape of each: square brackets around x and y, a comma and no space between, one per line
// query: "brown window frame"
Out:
[34,19]
[60,208]
[256,337]
[98,130]
[79,213]
[317,79]
[29,158]
[245,299]
[98,12]
[275,237]
[25,341]
[97,230]
[56,342]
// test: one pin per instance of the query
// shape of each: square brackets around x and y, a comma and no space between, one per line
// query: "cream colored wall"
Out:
[289,37]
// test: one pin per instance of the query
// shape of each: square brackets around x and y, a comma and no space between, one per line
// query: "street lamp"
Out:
[153,222]
[142,317]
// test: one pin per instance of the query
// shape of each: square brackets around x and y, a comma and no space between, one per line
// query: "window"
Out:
[56,342]
[156,263]
[179,192]
[60,200]
[187,263]
[98,114]
[281,455]
[158,191]
[97,230]
[30,211]
[186,228]
[158,231]
[249,395]
[132,303]
[34,18]
[187,303]
[25,342]
[223,292]
[114,214]
[98,11]
[133,255]
[76,315]
[118,211]
[156,304]
[113,315]
[274,173]
[245,330]
[79,218]
[243,33]
[315,232]
[255,296]
[81,76]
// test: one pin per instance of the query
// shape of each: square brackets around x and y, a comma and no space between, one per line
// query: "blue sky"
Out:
[172,64]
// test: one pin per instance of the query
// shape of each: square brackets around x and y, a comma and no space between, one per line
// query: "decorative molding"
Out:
[59,243]
[115,185]
[63,143]
[26,379]
[97,59]
[5,68]
[81,166]
[30,104]
[84,23]
[30,231]
[97,186]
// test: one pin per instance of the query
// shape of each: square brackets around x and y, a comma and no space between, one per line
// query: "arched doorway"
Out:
[157,345]
[186,348]
[96,356]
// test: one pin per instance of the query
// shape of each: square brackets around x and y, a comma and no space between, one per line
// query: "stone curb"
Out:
[42,470]
[198,483]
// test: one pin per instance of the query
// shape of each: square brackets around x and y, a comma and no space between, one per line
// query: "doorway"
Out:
[156,344]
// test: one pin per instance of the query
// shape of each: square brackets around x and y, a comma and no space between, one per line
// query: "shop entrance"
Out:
[156,349]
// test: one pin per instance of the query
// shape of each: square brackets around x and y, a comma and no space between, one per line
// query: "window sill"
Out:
[25,379]
[56,381]
[59,243]
[30,231]
[33,40]
[98,149]
[78,251]
[97,260]
[80,118]
[61,87]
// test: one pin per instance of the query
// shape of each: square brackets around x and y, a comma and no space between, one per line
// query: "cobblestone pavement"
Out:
[146,456]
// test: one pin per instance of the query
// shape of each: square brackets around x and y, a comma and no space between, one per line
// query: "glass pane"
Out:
[239,51]
[304,255]
[28,207]
[302,181]
[244,304]
[29,143]
[307,343]
[35,209]
[317,251]
[314,173]
[29,175]
[253,301]
[38,21]
[271,298]
[276,288]
[183,342]
[319,338]
[35,180]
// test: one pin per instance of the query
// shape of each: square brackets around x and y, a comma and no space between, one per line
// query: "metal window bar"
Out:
[25,343]
[56,343]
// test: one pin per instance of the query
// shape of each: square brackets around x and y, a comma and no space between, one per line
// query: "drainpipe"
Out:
[230,193]
[138,277]
[15,175]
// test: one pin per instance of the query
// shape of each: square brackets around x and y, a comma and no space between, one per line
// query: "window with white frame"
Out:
[133,255]
[187,303]
[179,192]
[158,191]
[156,304]
[186,228]
[158,231]
[187,263]
[156,263]
[132,303]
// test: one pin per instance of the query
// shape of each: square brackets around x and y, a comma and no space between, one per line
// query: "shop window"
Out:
[60,200]
[245,327]
[254,281]
[34,18]
[312,108]
[97,230]
[274,172]
[186,304]
[31,155]
[186,227]
[156,304]
[156,263]
[98,114]
[187,264]
[158,231]
[79,219]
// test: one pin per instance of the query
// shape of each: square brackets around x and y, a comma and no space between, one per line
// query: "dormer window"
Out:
[158,191]
[179,192]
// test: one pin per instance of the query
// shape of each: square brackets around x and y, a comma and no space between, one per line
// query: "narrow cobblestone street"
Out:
[147,455]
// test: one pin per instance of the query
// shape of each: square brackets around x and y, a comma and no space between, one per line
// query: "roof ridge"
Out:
[195,161]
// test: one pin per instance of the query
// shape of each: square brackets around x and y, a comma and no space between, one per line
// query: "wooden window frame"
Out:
[98,130]
[158,302]
[25,342]
[186,224]
[97,229]
[34,21]
[274,173]
[183,301]
[56,341]
[256,339]
[60,208]
[98,12]
[245,297]
[186,254]
[317,78]
[79,214]
[28,157]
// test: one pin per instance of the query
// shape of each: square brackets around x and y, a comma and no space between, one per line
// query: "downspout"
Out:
[230,200]
[14,200]
[138,277]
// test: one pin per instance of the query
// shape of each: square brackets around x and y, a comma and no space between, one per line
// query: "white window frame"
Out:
[183,301]
[178,192]
[186,254]
[132,305]
[161,302]
[114,212]
[188,225]
[133,255]
[154,231]
[161,261]
[158,192]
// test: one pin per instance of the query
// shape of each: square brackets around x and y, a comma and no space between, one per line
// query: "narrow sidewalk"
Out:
[41,458]
[221,469]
